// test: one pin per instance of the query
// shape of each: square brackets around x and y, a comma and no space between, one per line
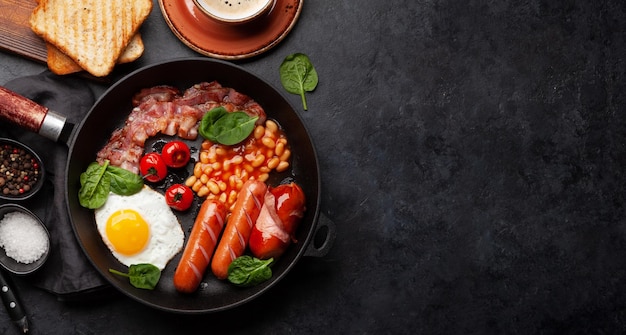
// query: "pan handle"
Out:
[321,248]
[29,115]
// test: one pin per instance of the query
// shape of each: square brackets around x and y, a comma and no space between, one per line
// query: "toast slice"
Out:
[93,33]
[61,64]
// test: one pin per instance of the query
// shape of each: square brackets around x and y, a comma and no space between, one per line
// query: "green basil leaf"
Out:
[208,120]
[218,125]
[94,186]
[298,75]
[124,182]
[248,271]
[144,276]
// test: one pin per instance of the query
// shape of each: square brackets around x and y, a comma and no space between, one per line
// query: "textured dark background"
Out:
[472,156]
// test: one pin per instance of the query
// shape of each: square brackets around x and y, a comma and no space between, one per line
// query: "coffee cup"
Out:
[234,11]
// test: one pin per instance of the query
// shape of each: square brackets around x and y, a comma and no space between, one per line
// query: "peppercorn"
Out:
[19,170]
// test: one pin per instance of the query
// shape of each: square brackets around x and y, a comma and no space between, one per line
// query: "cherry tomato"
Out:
[179,197]
[152,167]
[176,154]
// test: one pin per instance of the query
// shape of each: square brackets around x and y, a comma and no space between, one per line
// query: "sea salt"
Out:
[22,237]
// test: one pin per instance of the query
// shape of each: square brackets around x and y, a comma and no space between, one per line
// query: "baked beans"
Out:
[222,169]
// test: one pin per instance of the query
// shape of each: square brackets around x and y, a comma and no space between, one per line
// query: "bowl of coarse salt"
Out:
[24,240]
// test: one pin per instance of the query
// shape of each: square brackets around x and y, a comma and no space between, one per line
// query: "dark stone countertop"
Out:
[472,156]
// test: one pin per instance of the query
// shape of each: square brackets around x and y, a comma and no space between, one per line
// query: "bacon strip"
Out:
[162,109]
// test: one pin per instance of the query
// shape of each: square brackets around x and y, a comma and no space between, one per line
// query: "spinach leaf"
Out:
[208,120]
[220,126]
[144,276]
[124,182]
[248,271]
[98,180]
[298,75]
[234,127]
[94,186]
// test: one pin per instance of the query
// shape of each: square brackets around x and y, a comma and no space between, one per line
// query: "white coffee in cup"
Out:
[233,9]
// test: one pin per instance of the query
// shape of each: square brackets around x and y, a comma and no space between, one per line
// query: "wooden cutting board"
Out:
[15,33]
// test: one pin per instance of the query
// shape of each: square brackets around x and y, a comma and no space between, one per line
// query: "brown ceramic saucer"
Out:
[218,40]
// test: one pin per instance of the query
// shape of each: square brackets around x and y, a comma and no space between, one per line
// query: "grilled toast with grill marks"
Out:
[93,33]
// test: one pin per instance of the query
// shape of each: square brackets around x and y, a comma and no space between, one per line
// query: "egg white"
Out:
[166,235]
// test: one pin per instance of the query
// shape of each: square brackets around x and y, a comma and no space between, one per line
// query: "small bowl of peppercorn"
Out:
[21,171]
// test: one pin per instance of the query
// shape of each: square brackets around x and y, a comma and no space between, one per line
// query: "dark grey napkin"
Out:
[67,272]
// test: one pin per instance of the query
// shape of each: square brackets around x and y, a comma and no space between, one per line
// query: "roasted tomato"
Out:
[179,197]
[152,167]
[176,154]
[278,221]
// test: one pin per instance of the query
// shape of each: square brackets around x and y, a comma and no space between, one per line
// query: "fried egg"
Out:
[140,228]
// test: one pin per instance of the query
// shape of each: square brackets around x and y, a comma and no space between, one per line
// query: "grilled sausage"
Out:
[237,232]
[200,246]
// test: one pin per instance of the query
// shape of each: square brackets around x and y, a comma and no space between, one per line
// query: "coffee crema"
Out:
[233,9]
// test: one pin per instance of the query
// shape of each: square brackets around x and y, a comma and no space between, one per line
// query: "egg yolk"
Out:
[127,231]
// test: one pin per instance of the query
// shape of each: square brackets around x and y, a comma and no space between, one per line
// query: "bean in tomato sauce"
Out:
[221,170]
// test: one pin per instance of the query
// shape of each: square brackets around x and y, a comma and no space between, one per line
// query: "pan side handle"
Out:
[29,115]
[320,248]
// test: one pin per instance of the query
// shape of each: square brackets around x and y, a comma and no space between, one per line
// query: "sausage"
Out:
[275,228]
[200,246]
[237,232]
